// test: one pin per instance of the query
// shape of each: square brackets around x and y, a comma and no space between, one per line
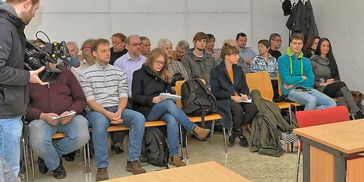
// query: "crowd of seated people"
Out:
[121,85]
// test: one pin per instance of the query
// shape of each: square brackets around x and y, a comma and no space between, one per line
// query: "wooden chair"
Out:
[211,117]
[262,82]
[319,117]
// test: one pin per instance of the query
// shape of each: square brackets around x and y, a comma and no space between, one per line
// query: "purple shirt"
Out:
[129,66]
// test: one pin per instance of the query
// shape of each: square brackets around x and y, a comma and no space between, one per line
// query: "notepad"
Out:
[170,96]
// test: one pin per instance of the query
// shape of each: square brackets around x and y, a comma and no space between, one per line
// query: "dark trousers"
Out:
[242,114]
[333,89]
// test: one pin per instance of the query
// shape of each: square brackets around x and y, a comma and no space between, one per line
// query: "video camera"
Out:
[36,57]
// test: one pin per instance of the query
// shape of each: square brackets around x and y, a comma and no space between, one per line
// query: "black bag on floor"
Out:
[197,99]
[155,148]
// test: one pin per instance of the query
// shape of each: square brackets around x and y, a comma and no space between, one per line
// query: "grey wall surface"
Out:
[341,21]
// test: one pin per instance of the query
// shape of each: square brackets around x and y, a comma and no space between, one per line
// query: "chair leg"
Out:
[212,130]
[25,157]
[298,161]
[181,139]
[88,157]
[225,140]
[32,163]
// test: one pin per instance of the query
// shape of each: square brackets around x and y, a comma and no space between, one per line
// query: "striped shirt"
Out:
[105,84]
[271,66]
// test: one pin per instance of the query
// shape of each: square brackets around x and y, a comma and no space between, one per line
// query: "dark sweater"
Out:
[63,95]
[146,85]
[13,78]
[115,55]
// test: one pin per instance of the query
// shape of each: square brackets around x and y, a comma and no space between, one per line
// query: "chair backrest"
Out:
[178,92]
[322,116]
[260,81]
[279,84]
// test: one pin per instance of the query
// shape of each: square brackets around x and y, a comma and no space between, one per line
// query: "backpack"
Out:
[155,148]
[197,99]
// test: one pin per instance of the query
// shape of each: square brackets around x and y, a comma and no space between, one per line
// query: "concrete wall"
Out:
[340,21]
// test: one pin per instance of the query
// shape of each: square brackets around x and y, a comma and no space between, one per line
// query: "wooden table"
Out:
[330,152]
[207,171]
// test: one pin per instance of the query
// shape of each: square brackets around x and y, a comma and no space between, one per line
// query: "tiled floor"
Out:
[255,167]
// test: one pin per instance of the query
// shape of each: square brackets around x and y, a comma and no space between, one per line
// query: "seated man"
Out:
[198,63]
[58,99]
[106,91]
[298,78]
[175,67]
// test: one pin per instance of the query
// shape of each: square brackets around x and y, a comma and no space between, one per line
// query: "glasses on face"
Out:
[160,63]
[136,44]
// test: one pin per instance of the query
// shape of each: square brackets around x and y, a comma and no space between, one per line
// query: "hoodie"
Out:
[14,94]
[291,74]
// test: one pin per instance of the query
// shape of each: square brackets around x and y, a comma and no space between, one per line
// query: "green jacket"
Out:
[267,127]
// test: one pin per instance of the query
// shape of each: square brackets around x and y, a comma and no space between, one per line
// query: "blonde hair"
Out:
[165,74]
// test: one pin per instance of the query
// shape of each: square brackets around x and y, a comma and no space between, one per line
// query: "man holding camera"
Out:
[14,15]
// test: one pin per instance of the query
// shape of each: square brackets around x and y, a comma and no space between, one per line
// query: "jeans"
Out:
[99,124]
[40,139]
[170,113]
[312,99]
[10,133]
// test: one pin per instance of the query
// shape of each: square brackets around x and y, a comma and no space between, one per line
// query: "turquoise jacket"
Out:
[291,74]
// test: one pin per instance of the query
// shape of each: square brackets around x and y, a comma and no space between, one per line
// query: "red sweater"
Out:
[64,94]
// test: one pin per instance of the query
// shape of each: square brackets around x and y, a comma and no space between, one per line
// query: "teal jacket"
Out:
[292,74]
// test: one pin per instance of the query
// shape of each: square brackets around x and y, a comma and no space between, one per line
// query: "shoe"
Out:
[231,139]
[176,161]
[117,149]
[359,115]
[102,174]
[243,142]
[59,172]
[70,156]
[201,133]
[135,167]
[41,166]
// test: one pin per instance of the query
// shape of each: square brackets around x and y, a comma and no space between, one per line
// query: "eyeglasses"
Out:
[136,44]
[160,63]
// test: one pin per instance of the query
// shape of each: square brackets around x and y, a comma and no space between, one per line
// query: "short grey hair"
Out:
[183,44]
[163,42]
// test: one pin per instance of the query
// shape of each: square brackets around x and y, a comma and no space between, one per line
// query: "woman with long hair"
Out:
[310,46]
[148,82]
[327,78]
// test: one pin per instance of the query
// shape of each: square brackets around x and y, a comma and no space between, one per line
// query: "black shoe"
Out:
[59,172]
[117,149]
[243,142]
[359,115]
[41,166]
[231,139]
[70,156]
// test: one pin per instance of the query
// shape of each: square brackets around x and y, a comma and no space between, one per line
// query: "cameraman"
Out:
[14,15]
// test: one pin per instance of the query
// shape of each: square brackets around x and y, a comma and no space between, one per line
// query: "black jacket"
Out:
[14,94]
[146,85]
[223,89]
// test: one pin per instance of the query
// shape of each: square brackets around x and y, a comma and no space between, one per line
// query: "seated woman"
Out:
[310,47]
[229,86]
[148,82]
[266,62]
[327,78]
